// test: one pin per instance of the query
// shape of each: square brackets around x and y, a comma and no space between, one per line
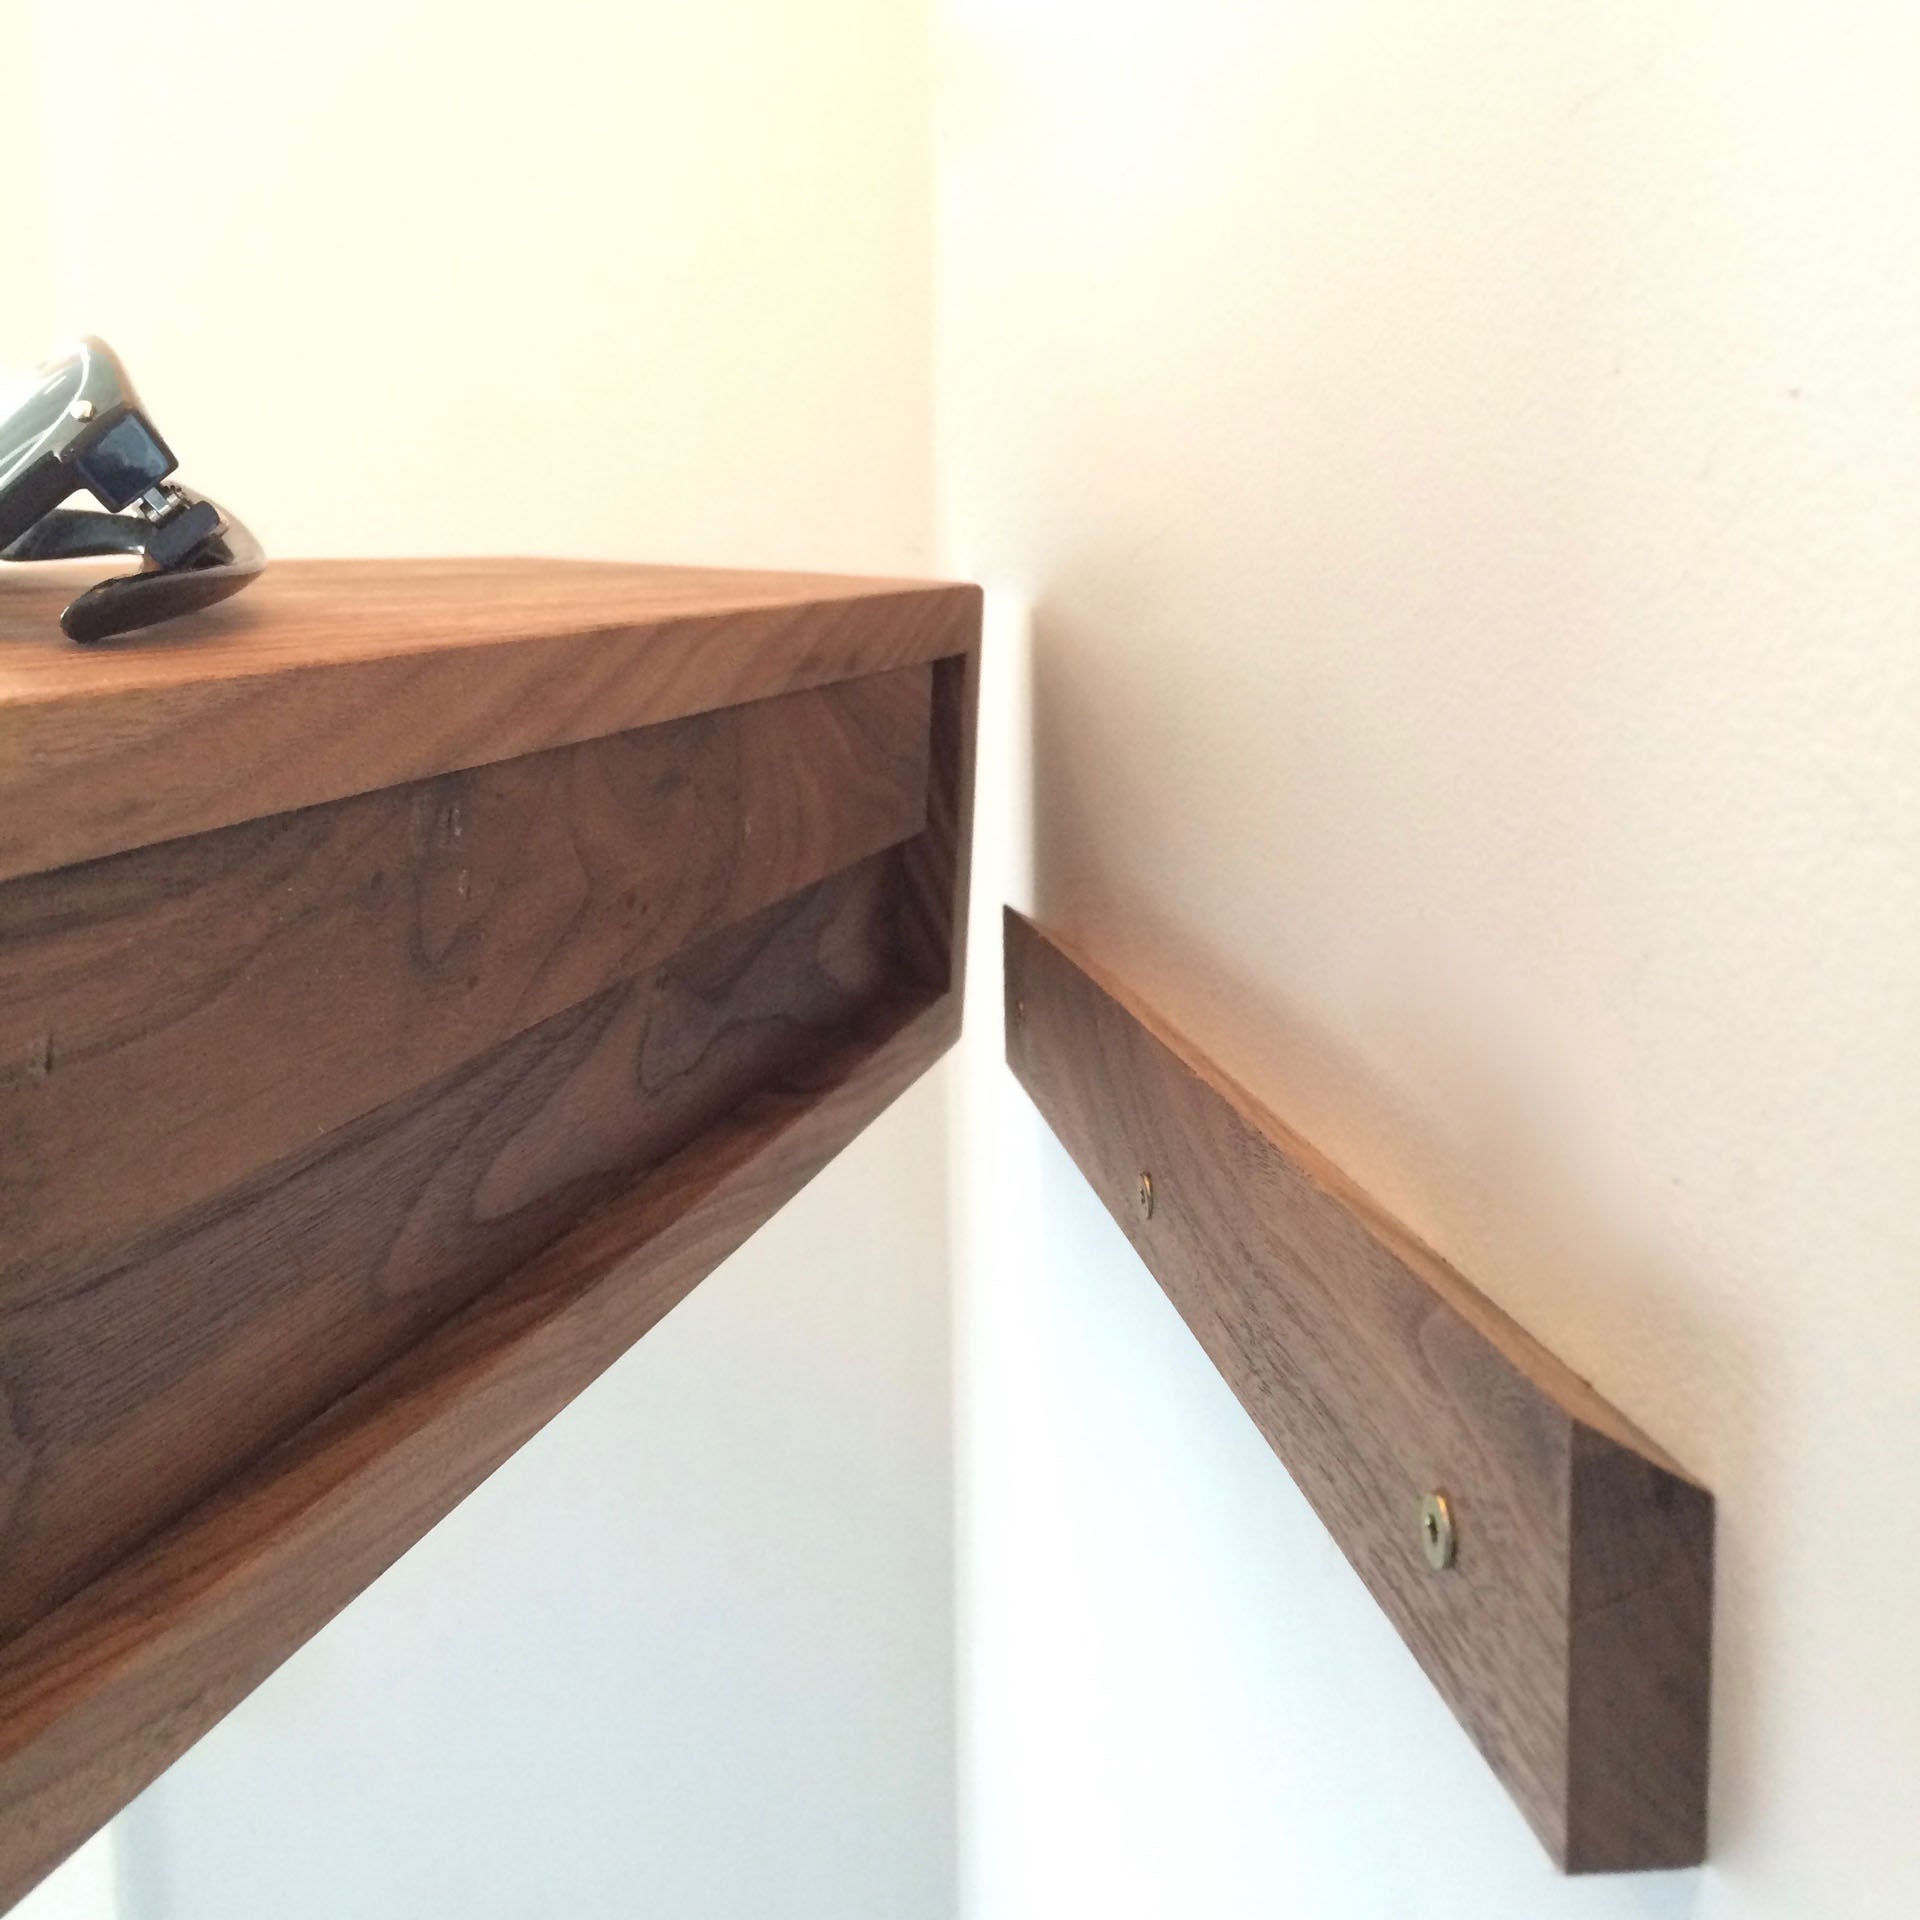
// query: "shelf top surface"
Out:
[332,677]
[316,613]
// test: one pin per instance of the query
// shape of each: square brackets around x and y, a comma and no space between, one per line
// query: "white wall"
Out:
[407,275]
[1460,461]
[647,281]
[1463,463]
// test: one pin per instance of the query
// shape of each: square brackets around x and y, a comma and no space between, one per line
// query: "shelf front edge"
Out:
[335,678]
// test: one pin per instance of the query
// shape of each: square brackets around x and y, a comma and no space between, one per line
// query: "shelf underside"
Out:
[344,1147]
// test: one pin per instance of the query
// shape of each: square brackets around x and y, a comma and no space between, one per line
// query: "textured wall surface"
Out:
[1462,462]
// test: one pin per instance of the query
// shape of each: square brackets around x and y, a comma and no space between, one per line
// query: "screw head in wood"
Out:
[1143,1197]
[1019,1013]
[1436,1531]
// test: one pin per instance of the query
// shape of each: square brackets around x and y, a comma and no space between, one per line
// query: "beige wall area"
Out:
[1462,464]
[407,276]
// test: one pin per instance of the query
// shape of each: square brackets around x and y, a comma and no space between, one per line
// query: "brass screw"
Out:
[1436,1531]
[1144,1197]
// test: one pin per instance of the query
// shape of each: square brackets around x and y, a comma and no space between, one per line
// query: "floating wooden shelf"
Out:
[1569,1623]
[414,978]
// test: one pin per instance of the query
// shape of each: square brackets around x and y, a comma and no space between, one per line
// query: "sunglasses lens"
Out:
[123,463]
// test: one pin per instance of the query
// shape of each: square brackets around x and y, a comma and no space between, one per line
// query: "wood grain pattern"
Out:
[334,677]
[146,1379]
[270,981]
[340,1148]
[101,1696]
[1572,1634]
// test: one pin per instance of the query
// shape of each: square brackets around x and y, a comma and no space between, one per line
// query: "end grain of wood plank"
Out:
[938,865]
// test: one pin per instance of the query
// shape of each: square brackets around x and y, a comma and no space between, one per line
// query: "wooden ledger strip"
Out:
[1571,1632]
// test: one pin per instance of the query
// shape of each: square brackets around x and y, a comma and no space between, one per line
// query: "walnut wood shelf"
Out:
[1571,1632]
[414,978]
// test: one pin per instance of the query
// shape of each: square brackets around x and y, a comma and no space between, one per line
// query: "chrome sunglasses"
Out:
[81,428]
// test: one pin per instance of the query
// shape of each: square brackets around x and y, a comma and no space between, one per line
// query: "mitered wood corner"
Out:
[414,978]
[1571,1632]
